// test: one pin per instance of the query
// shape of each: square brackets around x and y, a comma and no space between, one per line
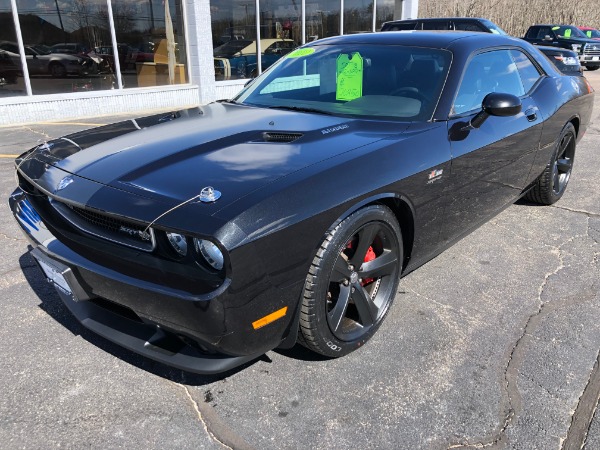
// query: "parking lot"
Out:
[493,343]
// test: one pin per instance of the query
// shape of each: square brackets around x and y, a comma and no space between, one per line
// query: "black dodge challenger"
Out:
[206,237]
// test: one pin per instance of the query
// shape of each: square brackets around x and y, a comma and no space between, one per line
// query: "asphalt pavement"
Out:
[495,343]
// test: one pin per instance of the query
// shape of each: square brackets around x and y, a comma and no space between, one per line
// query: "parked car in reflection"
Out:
[567,61]
[237,58]
[9,71]
[128,57]
[70,48]
[42,62]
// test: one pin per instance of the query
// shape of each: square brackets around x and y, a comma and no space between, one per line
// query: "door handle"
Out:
[531,114]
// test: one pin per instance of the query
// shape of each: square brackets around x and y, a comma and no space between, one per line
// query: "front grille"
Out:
[107,227]
[592,50]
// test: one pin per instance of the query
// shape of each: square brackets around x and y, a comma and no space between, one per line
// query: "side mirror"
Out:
[496,104]
[548,38]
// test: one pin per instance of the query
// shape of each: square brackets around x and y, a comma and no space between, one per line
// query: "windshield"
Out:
[361,80]
[494,28]
[568,32]
[593,34]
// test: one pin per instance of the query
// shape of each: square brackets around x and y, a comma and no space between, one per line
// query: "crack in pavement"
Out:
[42,133]
[215,427]
[201,418]
[578,211]
[517,354]
[10,238]
[584,412]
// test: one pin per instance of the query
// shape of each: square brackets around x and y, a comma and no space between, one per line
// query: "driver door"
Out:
[491,164]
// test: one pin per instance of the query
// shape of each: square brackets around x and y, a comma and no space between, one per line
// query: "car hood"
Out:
[233,148]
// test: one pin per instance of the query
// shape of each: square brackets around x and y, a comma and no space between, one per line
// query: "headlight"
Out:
[210,252]
[178,242]
[576,47]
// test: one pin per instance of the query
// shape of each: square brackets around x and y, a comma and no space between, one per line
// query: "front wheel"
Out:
[592,68]
[57,70]
[352,282]
[552,183]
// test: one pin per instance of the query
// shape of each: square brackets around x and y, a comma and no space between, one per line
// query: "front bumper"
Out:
[197,335]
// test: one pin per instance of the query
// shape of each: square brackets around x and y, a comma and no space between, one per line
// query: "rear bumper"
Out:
[187,333]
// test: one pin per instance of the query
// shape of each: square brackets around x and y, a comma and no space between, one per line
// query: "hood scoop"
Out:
[281,138]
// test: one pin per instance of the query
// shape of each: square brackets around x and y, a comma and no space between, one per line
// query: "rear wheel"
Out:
[551,184]
[352,282]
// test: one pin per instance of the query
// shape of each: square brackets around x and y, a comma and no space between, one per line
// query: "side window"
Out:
[467,26]
[487,72]
[528,72]
[543,32]
[400,26]
[436,25]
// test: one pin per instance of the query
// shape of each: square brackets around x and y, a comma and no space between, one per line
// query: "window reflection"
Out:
[151,43]
[358,16]
[385,12]
[322,19]
[59,39]
[11,73]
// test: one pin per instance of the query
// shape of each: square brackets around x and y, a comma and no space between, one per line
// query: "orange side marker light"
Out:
[269,318]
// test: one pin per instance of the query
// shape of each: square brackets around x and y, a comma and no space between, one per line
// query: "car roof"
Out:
[431,19]
[418,38]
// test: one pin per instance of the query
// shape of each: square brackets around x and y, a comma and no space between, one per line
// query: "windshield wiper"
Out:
[302,109]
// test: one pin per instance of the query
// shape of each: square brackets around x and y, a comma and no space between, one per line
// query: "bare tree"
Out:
[516,16]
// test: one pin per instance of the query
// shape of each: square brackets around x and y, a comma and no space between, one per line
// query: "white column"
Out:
[410,9]
[200,55]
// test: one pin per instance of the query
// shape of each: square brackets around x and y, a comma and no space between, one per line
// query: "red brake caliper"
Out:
[370,256]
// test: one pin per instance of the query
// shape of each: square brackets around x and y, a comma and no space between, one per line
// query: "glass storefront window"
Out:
[59,38]
[11,73]
[151,42]
[358,16]
[385,11]
[234,38]
[322,19]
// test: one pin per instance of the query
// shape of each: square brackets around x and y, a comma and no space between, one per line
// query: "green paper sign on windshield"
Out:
[568,33]
[589,34]
[349,77]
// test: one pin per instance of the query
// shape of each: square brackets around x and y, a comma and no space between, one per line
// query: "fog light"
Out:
[178,242]
[210,252]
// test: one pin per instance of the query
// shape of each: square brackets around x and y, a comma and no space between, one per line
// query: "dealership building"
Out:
[57,57]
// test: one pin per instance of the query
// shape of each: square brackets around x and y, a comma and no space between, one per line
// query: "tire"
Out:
[592,68]
[552,183]
[345,299]
[57,70]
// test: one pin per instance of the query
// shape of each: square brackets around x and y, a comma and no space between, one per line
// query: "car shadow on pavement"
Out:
[54,307]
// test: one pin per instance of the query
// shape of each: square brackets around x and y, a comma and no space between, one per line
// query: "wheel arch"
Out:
[576,123]
[404,212]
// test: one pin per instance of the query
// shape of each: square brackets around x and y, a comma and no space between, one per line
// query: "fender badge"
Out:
[64,183]
[209,195]
[435,175]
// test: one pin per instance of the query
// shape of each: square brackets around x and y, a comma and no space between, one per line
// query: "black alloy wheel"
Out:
[352,282]
[563,163]
[552,183]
